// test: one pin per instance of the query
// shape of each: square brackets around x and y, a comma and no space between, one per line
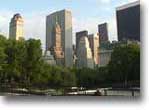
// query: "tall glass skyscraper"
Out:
[79,35]
[103,32]
[128,21]
[64,19]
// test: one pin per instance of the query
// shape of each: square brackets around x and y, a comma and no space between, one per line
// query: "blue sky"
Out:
[87,14]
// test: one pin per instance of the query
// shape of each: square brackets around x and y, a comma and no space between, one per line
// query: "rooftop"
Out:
[128,5]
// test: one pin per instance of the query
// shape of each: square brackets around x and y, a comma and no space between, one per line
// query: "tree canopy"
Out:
[21,65]
[125,63]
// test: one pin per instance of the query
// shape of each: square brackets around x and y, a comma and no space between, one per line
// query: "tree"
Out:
[86,77]
[15,57]
[101,77]
[68,78]
[3,56]
[43,75]
[125,63]
[32,60]
[21,65]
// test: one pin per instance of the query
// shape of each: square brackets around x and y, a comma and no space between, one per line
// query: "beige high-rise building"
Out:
[84,54]
[16,30]
[57,48]
[94,45]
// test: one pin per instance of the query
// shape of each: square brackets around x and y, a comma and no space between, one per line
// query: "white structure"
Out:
[84,54]
[48,58]
[105,57]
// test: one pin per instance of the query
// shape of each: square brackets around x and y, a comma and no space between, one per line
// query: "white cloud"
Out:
[112,27]
[105,1]
[132,0]
[4,21]
[89,24]
[35,22]
[100,2]
[34,25]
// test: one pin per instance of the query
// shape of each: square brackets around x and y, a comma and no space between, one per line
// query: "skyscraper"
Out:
[94,45]
[16,27]
[103,32]
[84,54]
[128,21]
[79,35]
[57,48]
[64,19]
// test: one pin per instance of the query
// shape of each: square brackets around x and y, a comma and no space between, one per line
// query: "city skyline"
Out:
[83,17]
[70,48]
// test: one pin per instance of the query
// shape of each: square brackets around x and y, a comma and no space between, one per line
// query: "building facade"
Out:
[84,54]
[79,35]
[16,26]
[74,55]
[57,50]
[49,58]
[94,45]
[105,57]
[128,21]
[103,32]
[64,19]
[105,51]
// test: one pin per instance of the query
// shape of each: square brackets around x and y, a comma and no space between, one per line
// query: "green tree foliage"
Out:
[86,77]
[21,64]
[124,67]
[91,78]
[32,60]
[125,63]
[2,57]
[62,77]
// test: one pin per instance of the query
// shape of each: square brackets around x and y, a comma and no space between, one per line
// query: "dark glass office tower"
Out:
[128,21]
[103,32]
[79,35]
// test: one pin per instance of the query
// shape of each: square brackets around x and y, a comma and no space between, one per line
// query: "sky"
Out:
[87,14]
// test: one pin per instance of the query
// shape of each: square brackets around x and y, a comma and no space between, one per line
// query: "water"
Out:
[103,92]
